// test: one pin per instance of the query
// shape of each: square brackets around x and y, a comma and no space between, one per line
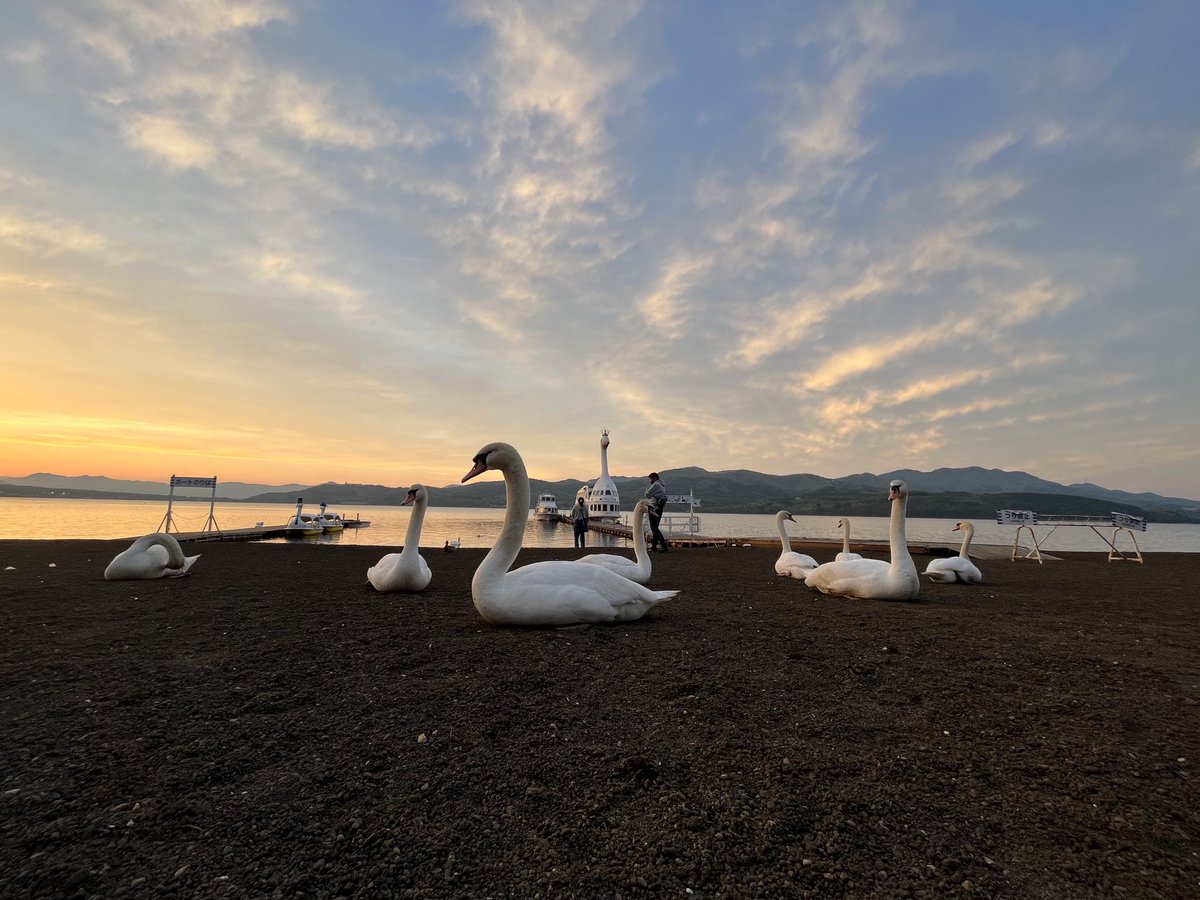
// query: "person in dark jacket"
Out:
[657,495]
[579,521]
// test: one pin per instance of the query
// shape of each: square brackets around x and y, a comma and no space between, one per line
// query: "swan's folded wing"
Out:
[845,578]
[560,590]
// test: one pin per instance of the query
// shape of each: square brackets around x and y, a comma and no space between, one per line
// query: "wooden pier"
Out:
[917,548]
[256,533]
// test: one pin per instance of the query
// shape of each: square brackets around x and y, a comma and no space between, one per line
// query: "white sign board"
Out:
[186,482]
[1016,517]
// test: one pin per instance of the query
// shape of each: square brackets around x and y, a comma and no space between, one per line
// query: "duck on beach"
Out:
[790,563]
[874,579]
[957,568]
[637,569]
[555,593]
[407,570]
[156,555]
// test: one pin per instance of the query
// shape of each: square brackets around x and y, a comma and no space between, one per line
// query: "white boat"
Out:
[546,509]
[302,524]
[329,521]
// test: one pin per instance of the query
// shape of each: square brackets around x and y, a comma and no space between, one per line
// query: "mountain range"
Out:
[971,492]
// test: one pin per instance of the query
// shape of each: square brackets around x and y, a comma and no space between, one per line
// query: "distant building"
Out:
[603,500]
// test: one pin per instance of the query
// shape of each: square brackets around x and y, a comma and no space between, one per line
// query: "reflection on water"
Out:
[51,519]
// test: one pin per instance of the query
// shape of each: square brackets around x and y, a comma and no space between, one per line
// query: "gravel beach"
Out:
[271,726]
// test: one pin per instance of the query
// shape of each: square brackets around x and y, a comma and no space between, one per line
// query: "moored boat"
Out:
[546,509]
[328,521]
[302,524]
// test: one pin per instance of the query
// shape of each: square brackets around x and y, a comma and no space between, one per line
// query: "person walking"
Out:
[657,495]
[579,521]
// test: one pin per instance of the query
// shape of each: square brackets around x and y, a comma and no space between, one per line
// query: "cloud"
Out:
[121,30]
[179,146]
[47,235]
[665,308]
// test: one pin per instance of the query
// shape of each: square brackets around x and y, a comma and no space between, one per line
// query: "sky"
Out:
[313,241]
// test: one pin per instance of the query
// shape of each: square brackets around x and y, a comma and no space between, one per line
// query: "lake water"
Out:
[55,519]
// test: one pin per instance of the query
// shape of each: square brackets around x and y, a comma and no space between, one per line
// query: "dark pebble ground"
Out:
[269,726]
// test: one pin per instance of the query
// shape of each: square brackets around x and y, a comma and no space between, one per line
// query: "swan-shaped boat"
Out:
[156,555]
[555,593]
[874,579]
[844,524]
[790,563]
[637,569]
[957,568]
[407,570]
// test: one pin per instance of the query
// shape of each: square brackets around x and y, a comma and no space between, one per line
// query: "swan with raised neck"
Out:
[957,568]
[874,579]
[637,569]
[790,563]
[407,570]
[555,593]
[844,524]
[156,555]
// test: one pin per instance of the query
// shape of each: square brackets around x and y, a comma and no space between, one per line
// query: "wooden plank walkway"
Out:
[917,548]
[257,533]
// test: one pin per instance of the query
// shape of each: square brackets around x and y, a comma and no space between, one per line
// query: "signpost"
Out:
[184,481]
[1120,523]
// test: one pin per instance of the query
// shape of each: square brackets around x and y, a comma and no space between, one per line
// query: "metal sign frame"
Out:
[1120,523]
[186,481]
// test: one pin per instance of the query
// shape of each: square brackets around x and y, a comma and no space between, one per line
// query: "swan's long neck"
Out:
[516,511]
[783,535]
[897,543]
[968,533]
[412,537]
[175,558]
[639,535]
[846,537]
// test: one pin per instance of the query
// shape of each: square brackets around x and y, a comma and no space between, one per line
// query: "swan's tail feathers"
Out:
[188,562]
[660,596]
[943,577]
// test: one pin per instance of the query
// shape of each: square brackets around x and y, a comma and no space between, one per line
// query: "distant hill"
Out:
[970,492]
[113,487]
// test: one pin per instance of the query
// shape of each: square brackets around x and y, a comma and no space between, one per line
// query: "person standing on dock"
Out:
[657,495]
[579,521]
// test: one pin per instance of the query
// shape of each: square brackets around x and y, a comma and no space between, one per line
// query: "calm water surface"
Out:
[54,519]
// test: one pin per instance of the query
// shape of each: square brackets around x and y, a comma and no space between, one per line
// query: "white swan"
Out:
[155,555]
[556,593]
[957,568]
[790,563]
[406,570]
[874,579]
[844,524]
[637,569]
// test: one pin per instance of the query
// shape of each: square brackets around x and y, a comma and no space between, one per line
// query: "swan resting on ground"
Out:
[957,568]
[844,524]
[790,563]
[555,593]
[407,570]
[155,555]
[637,569]
[874,579]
